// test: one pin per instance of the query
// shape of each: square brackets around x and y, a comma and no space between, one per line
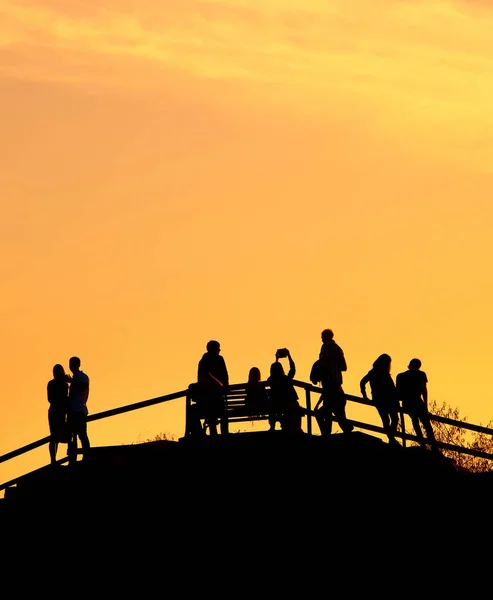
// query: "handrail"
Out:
[308,387]
[437,418]
[102,415]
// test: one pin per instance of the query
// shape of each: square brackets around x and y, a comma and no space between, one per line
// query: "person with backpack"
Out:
[328,371]
[212,385]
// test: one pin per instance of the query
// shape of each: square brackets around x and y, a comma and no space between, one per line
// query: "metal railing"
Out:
[309,390]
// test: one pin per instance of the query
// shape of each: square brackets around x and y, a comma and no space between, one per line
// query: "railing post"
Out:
[308,412]
[187,413]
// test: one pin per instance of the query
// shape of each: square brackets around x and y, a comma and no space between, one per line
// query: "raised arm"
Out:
[292,366]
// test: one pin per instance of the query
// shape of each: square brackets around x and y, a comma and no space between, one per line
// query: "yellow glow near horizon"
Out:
[252,172]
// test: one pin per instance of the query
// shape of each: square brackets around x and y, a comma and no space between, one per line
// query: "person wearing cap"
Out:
[412,391]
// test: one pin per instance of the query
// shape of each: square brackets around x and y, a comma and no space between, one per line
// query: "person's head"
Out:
[276,369]
[327,335]
[254,375]
[213,347]
[383,362]
[74,364]
[58,372]
[415,364]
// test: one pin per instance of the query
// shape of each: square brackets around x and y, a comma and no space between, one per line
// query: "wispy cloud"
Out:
[417,62]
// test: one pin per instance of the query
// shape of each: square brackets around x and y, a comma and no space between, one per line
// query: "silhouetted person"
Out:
[77,413]
[213,382]
[383,394]
[331,363]
[257,398]
[285,407]
[412,390]
[57,390]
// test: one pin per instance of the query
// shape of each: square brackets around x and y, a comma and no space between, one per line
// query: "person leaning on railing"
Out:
[412,390]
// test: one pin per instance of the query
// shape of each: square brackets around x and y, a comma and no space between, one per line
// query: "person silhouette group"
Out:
[277,398]
[410,390]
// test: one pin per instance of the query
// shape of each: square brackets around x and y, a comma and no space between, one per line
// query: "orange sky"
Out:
[252,171]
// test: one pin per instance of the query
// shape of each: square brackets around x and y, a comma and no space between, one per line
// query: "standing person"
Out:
[383,394]
[332,363]
[412,390]
[283,396]
[57,390]
[213,382]
[77,413]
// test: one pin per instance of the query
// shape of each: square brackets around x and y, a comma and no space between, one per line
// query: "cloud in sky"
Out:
[408,67]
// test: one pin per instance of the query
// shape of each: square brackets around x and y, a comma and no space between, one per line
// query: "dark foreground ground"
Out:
[255,499]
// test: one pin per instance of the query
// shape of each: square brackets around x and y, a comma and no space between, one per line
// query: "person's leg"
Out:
[324,417]
[53,446]
[394,423]
[339,410]
[384,416]
[427,426]
[84,438]
[212,424]
[72,443]
[417,427]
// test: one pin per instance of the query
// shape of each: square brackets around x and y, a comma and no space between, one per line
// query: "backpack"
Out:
[317,372]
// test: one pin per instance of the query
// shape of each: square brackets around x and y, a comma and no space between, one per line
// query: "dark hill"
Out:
[241,474]
[266,495]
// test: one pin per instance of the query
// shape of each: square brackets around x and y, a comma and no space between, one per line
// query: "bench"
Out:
[236,409]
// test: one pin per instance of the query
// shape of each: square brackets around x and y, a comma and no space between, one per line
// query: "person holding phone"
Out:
[284,399]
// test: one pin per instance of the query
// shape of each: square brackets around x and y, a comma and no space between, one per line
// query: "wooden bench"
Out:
[236,409]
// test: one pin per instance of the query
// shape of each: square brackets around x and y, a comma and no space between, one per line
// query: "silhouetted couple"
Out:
[410,389]
[67,413]
[328,370]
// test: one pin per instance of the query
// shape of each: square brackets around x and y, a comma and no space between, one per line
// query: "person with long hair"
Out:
[57,390]
[257,399]
[285,406]
[383,394]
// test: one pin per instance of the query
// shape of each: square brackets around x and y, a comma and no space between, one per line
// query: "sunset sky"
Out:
[251,171]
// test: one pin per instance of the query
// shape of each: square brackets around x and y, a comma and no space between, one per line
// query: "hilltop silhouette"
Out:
[240,477]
